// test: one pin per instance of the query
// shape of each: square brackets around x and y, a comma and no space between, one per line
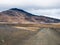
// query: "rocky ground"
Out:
[10,35]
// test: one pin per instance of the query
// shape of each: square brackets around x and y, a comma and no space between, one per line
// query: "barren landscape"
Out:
[18,27]
[24,34]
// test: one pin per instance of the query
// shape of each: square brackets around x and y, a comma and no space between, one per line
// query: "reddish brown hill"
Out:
[20,16]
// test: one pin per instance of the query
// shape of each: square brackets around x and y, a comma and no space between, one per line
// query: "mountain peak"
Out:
[21,16]
[21,10]
[16,9]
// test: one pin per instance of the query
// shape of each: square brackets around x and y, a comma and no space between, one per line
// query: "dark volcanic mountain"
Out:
[20,16]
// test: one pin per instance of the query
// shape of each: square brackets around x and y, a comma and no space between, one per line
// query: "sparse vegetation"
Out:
[18,27]
[21,34]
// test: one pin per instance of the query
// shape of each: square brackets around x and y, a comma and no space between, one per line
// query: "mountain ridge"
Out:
[21,16]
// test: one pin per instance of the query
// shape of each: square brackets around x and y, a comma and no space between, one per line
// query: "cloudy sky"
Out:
[38,7]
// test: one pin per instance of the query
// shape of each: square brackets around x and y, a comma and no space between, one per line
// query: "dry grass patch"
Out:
[27,28]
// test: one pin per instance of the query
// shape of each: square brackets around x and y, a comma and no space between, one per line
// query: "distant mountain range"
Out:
[20,16]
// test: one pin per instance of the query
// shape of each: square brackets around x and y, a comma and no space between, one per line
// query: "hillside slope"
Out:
[20,16]
[46,36]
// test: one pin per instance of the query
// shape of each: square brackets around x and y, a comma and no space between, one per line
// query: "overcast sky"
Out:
[38,7]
